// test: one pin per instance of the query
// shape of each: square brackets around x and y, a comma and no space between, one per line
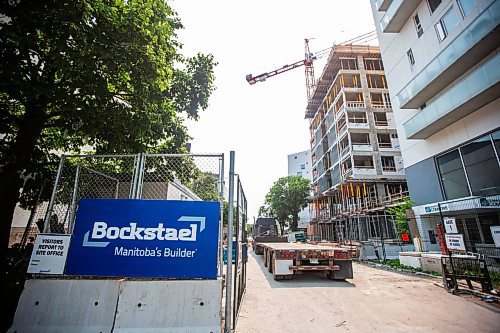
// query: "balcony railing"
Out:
[380,105]
[385,145]
[389,168]
[355,104]
[474,43]
[381,123]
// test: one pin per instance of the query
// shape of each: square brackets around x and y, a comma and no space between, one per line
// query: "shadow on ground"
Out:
[308,279]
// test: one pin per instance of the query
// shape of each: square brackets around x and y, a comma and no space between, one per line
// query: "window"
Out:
[453,175]
[387,100]
[432,237]
[446,24]
[466,7]
[496,141]
[410,58]
[299,173]
[480,176]
[433,5]
[372,64]
[349,63]
[418,26]
[388,163]
[481,166]
[295,157]
[303,166]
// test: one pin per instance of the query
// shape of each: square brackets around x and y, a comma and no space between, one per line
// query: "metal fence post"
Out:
[221,222]
[140,178]
[53,196]
[453,276]
[237,252]
[73,199]
[229,273]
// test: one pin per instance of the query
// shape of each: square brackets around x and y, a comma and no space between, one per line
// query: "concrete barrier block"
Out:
[412,261]
[431,263]
[169,306]
[61,306]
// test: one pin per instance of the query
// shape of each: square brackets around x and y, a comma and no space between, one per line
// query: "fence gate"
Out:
[240,265]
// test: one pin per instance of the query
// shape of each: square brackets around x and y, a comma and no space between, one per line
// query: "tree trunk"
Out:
[19,158]
[295,222]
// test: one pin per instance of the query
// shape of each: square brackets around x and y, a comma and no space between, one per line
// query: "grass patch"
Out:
[394,263]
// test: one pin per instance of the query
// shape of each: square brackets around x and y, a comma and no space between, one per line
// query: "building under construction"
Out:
[357,167]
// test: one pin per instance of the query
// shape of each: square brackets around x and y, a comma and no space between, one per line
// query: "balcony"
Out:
[357,120]
[382,5]
[478,89]
[361,142]
[363,165]
[384,120]
[398,12]
[355,105]
[472,45]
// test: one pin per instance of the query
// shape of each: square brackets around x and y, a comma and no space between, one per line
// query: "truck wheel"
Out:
[270,262]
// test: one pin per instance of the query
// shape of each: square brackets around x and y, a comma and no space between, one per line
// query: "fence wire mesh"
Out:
[142,176]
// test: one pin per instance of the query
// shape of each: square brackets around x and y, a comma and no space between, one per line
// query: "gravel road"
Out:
[374,301]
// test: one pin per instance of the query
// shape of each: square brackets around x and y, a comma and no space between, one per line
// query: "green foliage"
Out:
[88,72]
[225,212]
[495,279]
[394,263]
[204,184]
[399,212]
[285,199]
[107,75]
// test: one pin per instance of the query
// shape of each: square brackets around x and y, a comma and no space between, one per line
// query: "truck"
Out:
[285,259]
[265,231]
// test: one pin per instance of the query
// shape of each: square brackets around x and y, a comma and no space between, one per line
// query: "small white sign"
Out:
[49,254]
[455,242]
[495,232]
[450,225]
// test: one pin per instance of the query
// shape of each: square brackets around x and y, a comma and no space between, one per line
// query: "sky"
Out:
[263,123]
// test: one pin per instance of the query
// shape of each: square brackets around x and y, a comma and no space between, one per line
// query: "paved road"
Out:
[374,301]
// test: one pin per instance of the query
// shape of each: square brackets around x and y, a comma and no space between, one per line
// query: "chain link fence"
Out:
[142,176]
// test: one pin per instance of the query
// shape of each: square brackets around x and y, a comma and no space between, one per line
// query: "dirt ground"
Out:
[374,301]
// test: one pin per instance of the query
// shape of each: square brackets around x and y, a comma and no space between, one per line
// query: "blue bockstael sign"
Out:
[145,238]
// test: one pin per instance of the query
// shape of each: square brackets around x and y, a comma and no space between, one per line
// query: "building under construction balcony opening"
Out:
[357,167]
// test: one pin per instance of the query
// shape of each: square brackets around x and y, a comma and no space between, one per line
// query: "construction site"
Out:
[357,166]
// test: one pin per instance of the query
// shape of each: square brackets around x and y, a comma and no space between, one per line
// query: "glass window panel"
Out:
[453,176]
[496,139]
[449,162]
[484,177]
[450,20]
[455,184]
[440,31]
[467,6]
[433,4]
[477,151]
[487,220]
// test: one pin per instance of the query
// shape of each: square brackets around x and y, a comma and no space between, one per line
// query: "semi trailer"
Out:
[286,259]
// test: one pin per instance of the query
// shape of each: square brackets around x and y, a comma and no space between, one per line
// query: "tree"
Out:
[105,74]
[286,198]
[399,213]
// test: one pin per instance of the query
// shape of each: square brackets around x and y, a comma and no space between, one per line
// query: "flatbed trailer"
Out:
[286,259]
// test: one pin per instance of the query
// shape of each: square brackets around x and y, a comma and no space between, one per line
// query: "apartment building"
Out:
[299,164]
[442,64]
[357,169]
